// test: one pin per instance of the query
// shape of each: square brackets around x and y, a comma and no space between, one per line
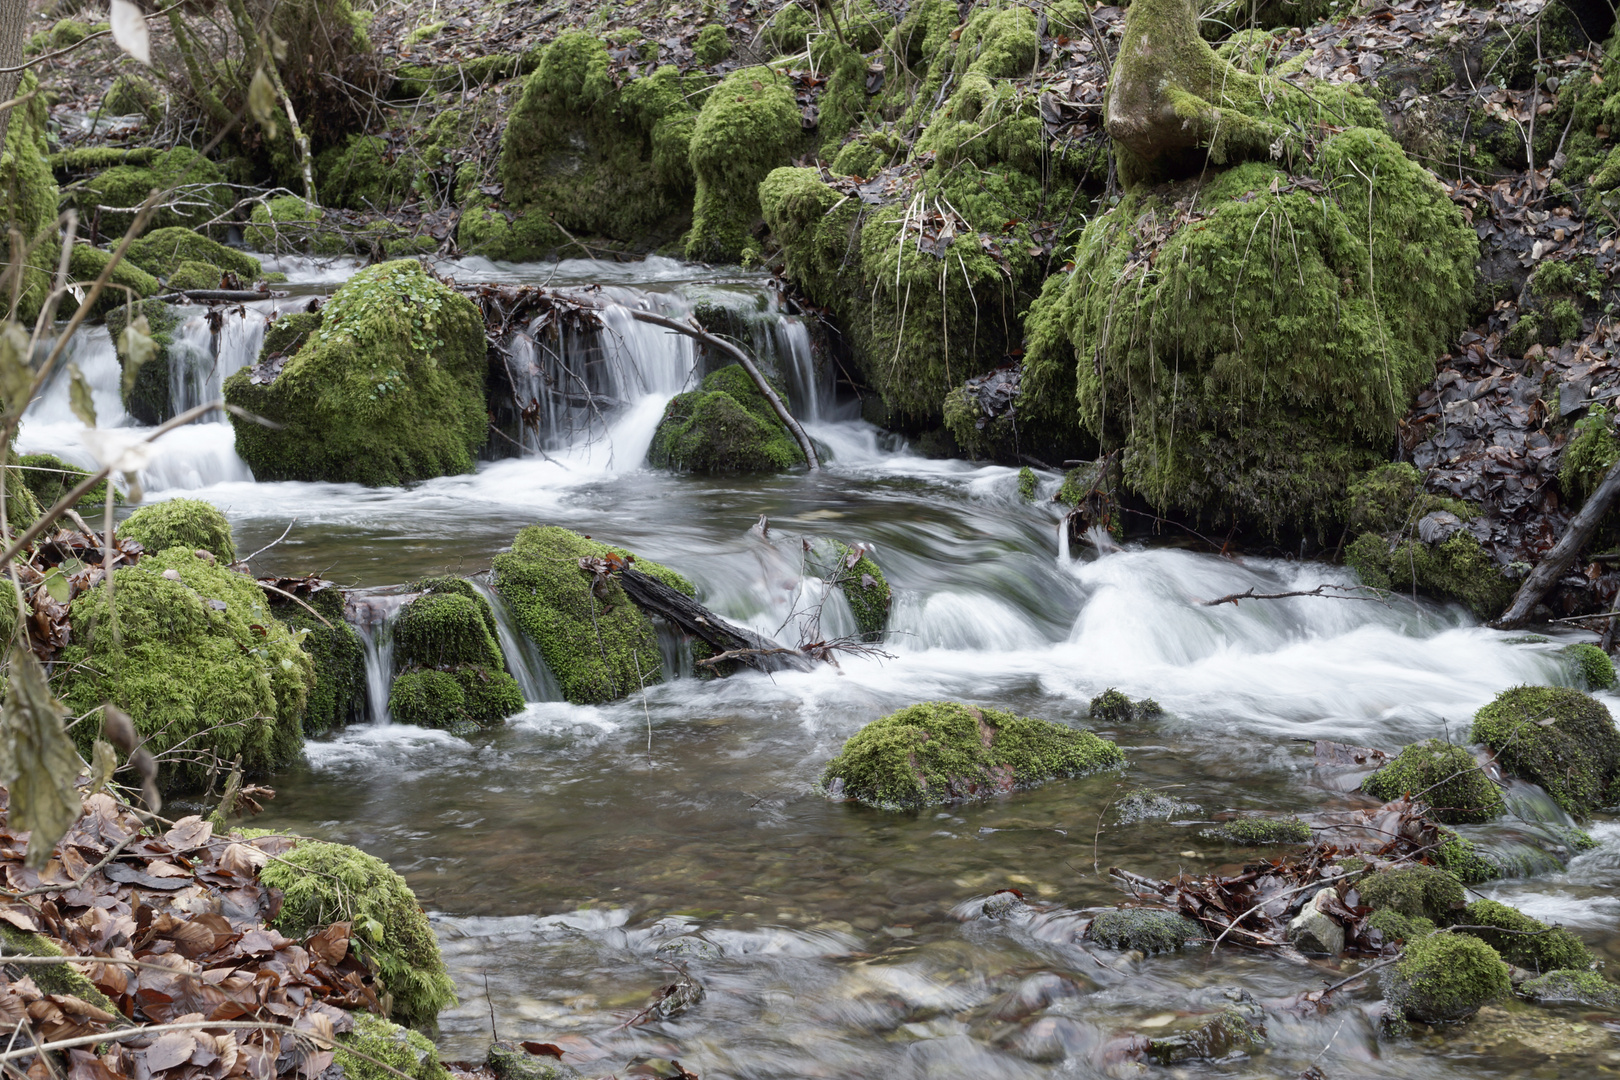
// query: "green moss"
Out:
[323,883]
[712,45]
[867,592]
[1230,1033]
[1445,978]
[126,187]
[133,95]
[1457,568]
[749,125]
[1390,499]
[1398,927]
[868,154]
[1558,738]
[789,30]
[50,478]
[146,396]
[426,32]
[1417,892]
[726,426]
[599,647]
[1580,987]
[52,978]
[1523,941]
[842,105]
[194,277]
[29,190]
[186,523]
[359,175]
[63,34]
[286,334]
[1458,856]
[1026,484]
[338,657]
[942,752]
[1265,832]
[411,1052]
[198,661]
[1112,707]
[163,251]
[128,282]
[1148,930]
[1595,668]
[1441,776]
[1591,451]
[390,389]
[288,223]
[451,672]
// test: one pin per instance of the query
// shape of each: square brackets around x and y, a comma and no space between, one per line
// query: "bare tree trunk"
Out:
[1556,561]
[13,33]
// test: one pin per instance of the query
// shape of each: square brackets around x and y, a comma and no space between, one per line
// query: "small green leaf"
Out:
[57,584]
[103,763]
[136,347]
[16,377]
[84,406]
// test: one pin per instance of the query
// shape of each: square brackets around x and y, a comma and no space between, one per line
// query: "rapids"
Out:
[574,857]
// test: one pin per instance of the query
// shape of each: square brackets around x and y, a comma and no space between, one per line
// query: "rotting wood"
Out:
[745,646]
[1556,561]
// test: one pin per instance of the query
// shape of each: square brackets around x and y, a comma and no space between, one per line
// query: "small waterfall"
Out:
[92,350]
[210,347]
[523,659]
[785,340]
[372,617]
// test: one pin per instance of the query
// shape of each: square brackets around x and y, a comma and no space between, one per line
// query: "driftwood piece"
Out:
[1556,561]
[216,296]
[744,646]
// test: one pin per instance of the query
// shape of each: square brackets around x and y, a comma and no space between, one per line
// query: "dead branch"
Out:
[1553,565]
[1233,598]
[733,642]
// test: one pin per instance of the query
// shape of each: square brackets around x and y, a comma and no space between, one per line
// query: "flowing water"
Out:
[578,857]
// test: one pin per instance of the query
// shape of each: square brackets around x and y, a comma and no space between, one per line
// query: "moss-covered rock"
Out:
[1458,856]
[288,223]
[1230,1032]
[360,175]
[132,95]
[1444,978]
[1441,776]
[1457,568]
[389,389]
[193,276]
[1574,987]
[50,478]
[712,45]
[749,125]
[598,643]
[323,883]
[127,282]
[28,188]
[52,978]
[411,1052]
[1147,930]
[945,752]
[1593,665]
[146,394]
[1417,892]
[855,573]
[726,426]
[184,523]
[337,654]
[1113,707]
[126,187]
[1400,928]
[1264,832]
[1523,941]
[1591,451]
[1558,738]
[197,660]
[163,251]
[447,653]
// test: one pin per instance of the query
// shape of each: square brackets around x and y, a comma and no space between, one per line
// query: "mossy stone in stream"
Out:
[1577,987]
[866,590]
[389,389]
[1556,737]
[1398,927]
[1443,777]
[451,672]
[1457,855]
[944,752]
[126,187]
[50,478]
[192,276]
[1230,1031]
[1417,892]
[1113,707]
[1594,665]
[198,660]
[1148,930]
[411,1052]
[338,655]
[1147,805]
[1523,941]
[145,391]
[1263,832]
[1456,568]
[287,333]
[126,283]
[1444,978]
[596,641]
[726,426]
[163,251]
[187,523]
[287,224]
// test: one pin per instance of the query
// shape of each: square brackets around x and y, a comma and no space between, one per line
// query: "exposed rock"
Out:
[1444,978]
[450,671]
[1148,930]
[1558,738]
[1442,776]
[1314,931]
[725,427]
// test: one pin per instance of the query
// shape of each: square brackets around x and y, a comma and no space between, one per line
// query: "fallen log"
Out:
[1556,561]
[744,646]
[216,296]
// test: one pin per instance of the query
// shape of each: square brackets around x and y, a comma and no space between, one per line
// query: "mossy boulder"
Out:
[163,251]
[126,283]
[1264,832]
[1113,707]
[126,187]
[1572,987]
[1458,856]
[749,125]
[1397,927]
[132,95]
[49,478]
[388,390]
[1417,892]
[1456,568]
[145,391]
[1591,451]
[713,45]
[183,523]
[725,426]
[197,660]
[945,752]
[360,174]
[854,572]
[1558,738]
[598,643]
[193,276]
[1443,777]
[337,654]
[1147,930]
[1231,1032]
[1444,978]
[1522,941]
[411,1052]
[323,883]
[289,224]
[451,674]
[1593,665]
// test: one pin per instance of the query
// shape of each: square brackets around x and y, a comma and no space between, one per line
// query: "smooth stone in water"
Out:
[1315,931]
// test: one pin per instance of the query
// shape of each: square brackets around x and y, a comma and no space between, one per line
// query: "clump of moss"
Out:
[185,523]
[411,1052]
[942,752]
[1263,832]
[1390,499]
[146,394]
[388,390]
[1026,484]
[1456,568]
[125,188]
[50,478]
[596,641]
[1148,930]
[868,154]
[712,45]
[726,426]
[1398,927]
[1591,451]
[198,660]
[132,95]
[1444,978]
[748,126]
[451,672]
[1230,1032]
[323,883]
[866,590]
[127,281]
[28,190]
[163,251]
[192,276]
[1523,941]
[1441,776]
[1113,707]
[288,223]
[1558,738]
[337,655]
[1595,667]
[1458,856]
[359,175]
[1580,987]
[1417,892]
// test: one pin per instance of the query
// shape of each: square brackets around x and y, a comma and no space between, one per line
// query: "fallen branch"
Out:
[1233,598]
[731,642]
[216,295]
[1556,561]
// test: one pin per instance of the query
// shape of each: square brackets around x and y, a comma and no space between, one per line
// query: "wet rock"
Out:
[1314,930]
[1236,1029]
[1514,1030]
[1113,707]
[1004,903]
[1444,777]
[1139,806]
[1260,832]
[1050,1039]
[336,651]
[450,671]
[1558,738]
[1444,978]
[509,1061]
[1150,930]
[726,426]
[688,947]
[1572,987]
[1035,993]
[944,752]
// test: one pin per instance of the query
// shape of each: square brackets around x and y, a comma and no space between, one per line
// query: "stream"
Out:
[576,857]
